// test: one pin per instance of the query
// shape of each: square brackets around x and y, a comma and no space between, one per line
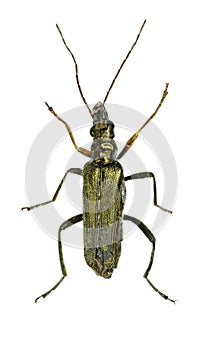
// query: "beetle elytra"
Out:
[104,190]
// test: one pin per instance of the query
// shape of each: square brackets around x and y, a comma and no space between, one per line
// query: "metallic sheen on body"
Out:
[103,198]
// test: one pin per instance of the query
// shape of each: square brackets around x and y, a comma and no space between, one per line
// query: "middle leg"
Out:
[144,175]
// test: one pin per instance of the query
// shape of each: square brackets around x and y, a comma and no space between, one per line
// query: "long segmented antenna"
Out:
[76,69]
[122,64]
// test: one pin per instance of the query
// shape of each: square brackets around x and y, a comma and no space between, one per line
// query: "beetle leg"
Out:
[132,139]
[144,175]
[77,171]
[82,150]
[152,239]
[66,224]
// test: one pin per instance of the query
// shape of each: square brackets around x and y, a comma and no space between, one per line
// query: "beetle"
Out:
[104,190]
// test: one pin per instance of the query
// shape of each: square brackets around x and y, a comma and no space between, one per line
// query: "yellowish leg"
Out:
[132,139]
[82,150]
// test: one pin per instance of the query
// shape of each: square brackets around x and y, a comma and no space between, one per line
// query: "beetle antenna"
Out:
[122,64]
[76,69]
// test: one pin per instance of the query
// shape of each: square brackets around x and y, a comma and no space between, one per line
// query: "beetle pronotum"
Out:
[103,189]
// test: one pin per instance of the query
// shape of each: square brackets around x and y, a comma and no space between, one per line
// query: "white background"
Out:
[88,311]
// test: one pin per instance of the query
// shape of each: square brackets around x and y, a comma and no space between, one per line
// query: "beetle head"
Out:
[102,127]
[103,146]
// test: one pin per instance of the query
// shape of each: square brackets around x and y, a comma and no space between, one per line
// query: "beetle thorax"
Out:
[103,147]
[103,150]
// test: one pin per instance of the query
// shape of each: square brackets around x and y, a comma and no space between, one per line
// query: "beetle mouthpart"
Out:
[99,114]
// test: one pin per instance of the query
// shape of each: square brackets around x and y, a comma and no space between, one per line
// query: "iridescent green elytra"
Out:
[103,190]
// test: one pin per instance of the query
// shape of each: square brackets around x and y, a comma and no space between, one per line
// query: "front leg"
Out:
[144,175]
[82,150]
[132,139]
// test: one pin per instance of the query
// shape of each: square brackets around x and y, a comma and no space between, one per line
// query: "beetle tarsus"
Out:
[164,209]
[158,291]
[44,295]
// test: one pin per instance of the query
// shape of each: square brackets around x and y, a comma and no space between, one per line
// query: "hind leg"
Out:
[152,239]
[65,225]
